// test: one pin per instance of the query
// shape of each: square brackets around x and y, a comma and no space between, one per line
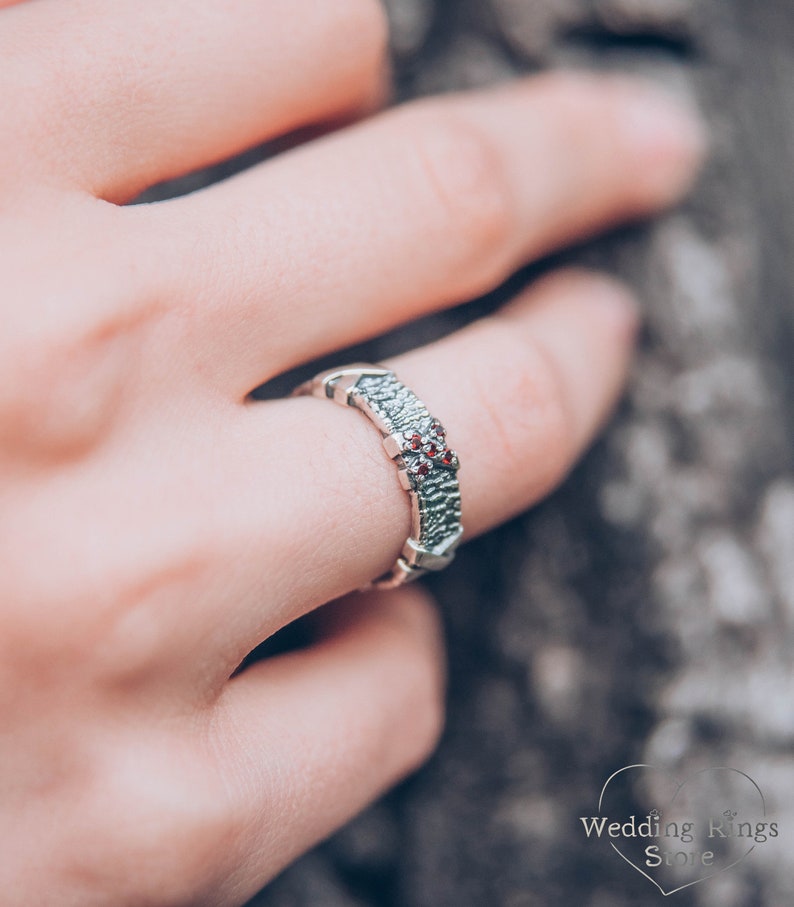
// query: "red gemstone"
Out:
[431,450]
[448,457]
[416,442]
[438,429]
[423,469]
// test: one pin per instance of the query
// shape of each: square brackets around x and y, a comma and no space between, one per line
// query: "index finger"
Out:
[112,97]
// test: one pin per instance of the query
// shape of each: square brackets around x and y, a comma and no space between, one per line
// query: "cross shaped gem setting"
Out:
[425,451]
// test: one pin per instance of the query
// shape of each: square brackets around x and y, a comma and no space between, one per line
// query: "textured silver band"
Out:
[427,467]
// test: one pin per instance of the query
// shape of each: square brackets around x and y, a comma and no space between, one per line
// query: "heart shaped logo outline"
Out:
[716,768]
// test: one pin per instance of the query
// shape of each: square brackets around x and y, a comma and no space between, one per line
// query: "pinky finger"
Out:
[310,738]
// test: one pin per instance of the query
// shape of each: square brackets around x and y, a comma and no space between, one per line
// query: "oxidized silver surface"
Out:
[427,467]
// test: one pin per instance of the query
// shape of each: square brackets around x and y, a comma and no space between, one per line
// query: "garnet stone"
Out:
[425,450]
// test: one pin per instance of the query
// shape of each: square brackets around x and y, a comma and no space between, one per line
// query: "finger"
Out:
[308,739]
[415,210]
[310,506]
[282,506]
[137,91]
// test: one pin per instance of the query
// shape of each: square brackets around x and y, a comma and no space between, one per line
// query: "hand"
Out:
[156,525]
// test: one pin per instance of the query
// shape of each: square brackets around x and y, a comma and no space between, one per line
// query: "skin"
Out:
[154,525]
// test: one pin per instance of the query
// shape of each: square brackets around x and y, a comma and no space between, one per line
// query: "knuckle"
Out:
[467,189]
[108,620]
[552,415]
[534,425]
[125,641]
[129,645]
[134,635]
[59,394]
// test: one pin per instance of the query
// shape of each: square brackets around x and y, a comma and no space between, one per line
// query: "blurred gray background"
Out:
[645,613]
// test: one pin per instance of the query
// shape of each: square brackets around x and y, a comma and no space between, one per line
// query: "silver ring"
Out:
[427,467]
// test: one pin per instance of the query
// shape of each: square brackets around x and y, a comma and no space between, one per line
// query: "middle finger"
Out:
[415,210]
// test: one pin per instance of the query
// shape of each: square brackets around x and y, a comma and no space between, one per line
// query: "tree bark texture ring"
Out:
[427,466]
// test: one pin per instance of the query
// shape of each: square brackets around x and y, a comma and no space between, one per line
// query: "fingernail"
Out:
[665,130]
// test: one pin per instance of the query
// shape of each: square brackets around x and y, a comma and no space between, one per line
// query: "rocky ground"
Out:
[646,612]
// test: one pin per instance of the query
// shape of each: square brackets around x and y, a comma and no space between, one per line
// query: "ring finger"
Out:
[521,394]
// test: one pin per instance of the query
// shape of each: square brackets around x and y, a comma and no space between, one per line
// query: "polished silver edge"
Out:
[338,384]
